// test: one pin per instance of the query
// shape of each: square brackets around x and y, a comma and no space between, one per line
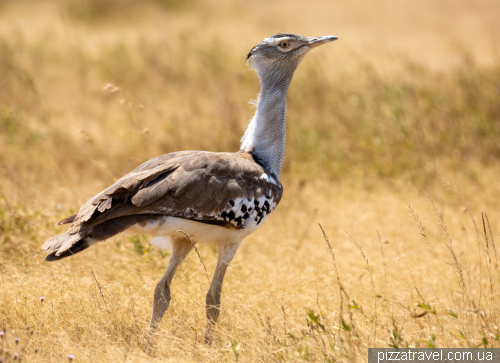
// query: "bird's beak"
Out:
[315,41]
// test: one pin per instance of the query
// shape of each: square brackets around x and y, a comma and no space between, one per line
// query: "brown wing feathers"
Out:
[194,185]
[67,220]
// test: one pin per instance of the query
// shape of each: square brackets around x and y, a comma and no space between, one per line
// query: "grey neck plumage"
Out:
[266,134]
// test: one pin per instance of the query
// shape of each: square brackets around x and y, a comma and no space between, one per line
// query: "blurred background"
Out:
[94,87]
[408,95]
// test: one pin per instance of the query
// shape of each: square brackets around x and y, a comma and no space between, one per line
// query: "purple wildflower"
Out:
[42,298]
[71,357]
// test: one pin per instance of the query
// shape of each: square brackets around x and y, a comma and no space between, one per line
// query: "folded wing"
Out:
[217,188]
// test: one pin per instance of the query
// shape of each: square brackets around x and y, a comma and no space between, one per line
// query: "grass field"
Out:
[393,146]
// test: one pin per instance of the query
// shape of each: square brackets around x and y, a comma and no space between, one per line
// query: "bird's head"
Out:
[282,53]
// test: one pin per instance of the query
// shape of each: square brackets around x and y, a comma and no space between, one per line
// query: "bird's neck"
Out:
[266,134]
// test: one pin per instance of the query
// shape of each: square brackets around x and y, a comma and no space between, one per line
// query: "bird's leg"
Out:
[180,249]
[226,254]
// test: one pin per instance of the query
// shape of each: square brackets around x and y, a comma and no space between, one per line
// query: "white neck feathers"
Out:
[266,134]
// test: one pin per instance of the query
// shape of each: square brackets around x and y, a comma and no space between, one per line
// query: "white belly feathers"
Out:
[163,229]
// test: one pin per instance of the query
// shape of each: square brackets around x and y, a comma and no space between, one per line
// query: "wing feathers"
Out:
[233,189]
[193,184]
[106,204]
[66,220]
[258,193]
[152,191]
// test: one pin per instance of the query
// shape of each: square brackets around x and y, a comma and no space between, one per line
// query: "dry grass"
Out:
[90,89]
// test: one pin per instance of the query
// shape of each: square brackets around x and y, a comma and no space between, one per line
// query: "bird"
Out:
[198,197]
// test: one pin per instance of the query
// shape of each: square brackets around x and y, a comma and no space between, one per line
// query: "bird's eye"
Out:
[284,44]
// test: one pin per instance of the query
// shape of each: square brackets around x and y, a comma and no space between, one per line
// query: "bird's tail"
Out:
[67,244]
[56,243]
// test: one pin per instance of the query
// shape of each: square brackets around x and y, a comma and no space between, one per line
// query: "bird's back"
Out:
[230,190]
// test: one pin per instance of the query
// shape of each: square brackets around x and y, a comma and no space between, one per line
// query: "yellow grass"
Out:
[408,96]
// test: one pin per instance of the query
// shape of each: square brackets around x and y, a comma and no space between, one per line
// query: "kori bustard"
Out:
[218,198]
